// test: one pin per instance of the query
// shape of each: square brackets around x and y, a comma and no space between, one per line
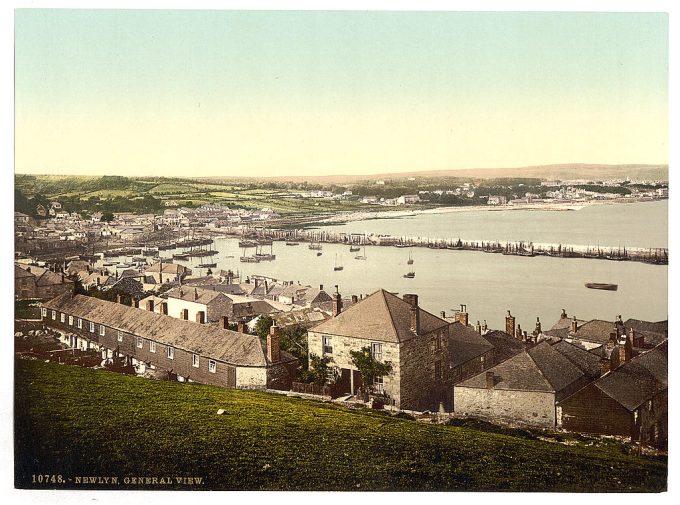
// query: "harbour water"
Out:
[640,224]
[489,284]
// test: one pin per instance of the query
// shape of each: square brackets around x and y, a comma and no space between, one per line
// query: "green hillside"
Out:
[80,422]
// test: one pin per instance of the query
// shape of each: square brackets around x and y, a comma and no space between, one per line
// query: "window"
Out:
[70,320]
[80,323]
[437,341]
[438,370]
[62,318]
[376,351]
[212,366]
[152,346]
[102,330]
[120,336]
[327,345]
[91,327]
[379,384]
[44,312]
[54,314]
[140,342]
[195,360]
[170,352]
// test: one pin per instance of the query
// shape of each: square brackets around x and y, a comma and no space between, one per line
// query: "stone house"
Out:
[522,389]
[184,350]
[396,330]
[629,401]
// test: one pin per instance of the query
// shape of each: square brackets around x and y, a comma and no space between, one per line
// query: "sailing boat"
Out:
[410,275]
[361,257]
[337,267]
[410,259]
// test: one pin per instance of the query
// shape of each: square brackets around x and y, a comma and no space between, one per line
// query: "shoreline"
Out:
[345,217]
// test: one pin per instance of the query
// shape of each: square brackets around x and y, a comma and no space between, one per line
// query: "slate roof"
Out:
[21,272]
[251,308]
[638,380]
[654,333]
[169,268]
[381,317]
[207,340]
[587,362]
[195,294]
[465,344]
[539,368]
[504,345]
[596,331]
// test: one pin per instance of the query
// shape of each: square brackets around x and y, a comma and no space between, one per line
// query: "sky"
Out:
[257,93]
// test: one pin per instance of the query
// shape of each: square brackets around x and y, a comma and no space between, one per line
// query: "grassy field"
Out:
[75,421]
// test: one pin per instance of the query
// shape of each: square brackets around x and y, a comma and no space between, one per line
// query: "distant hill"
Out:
[561,171]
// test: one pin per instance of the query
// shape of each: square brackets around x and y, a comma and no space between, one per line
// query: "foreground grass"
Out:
[81,422]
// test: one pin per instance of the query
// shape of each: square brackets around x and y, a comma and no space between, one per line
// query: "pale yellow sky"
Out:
[180,93]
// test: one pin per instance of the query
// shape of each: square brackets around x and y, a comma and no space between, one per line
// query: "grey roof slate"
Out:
[381,316]
[207,340]
[465,344]
[639,379]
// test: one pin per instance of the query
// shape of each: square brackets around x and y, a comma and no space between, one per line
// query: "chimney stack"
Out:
[225,323]
[518,332]
[625,348]
[273,344]
[337,302]
[462,316]
[478,327]
[119,299]
[195,294]
[605,365]
[320,287]
[164,308]
[412,300]
[150,305]
[574,325]
[564,314]
[200,317]
[637,340]
[442,314]
[355,299]
[241,327]
[537,330]
[510,324]
[489,380]
[485,327]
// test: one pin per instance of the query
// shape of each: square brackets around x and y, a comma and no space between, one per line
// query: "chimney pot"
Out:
[442,314]
[320,287]
[564,314]
[478,327]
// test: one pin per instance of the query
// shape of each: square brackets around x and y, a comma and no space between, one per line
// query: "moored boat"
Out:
[602,285]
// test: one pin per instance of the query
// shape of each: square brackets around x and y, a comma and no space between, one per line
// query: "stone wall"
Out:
[529,408]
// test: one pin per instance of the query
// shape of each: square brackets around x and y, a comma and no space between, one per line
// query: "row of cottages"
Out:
[183,349]
[31,281]
[428,353]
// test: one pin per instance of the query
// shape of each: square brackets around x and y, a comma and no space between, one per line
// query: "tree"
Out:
[262,326]
[369,368]
[107,217]
[321,371]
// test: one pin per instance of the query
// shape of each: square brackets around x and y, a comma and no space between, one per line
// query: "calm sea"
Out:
[491,284]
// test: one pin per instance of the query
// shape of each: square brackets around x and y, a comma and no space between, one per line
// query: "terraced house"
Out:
[186,350]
